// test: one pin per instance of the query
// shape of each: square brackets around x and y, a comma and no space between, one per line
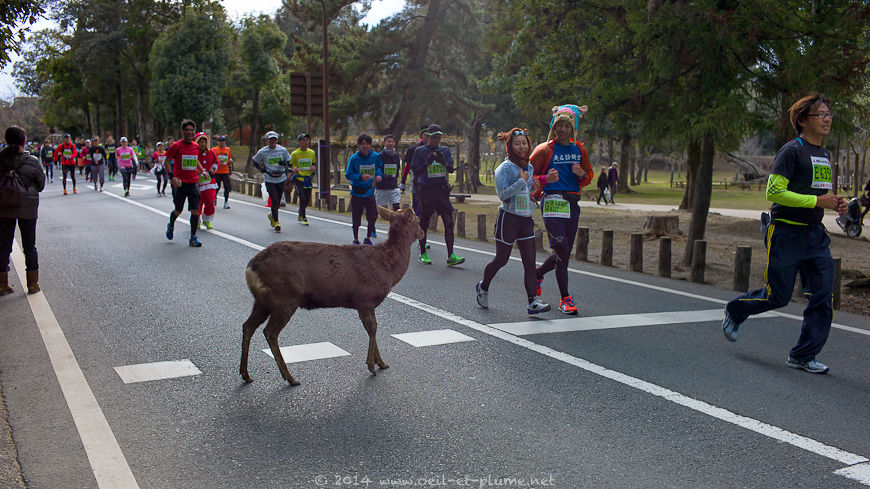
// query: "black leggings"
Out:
[71,169]
[28,242]
[434,200]
[503,254]
[275,191]
[304,196]
[357,206]
[223,180]
[125,176]
[558,261]
[161,176]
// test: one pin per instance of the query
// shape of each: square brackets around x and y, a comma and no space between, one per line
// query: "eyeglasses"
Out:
[519,132]
[823,115]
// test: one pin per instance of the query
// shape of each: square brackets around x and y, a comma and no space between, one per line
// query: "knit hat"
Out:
[570,113]
[199,136]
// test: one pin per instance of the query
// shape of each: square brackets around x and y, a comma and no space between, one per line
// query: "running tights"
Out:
[503,254]
[447,219]
[275,190]
[558,261]
[71,169]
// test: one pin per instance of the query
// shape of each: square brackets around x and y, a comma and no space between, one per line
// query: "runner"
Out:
[303,161]
[46,156]
[80,159]
[562,166]
[159,159]
[127,162]
[796,239]
[112,162]
[225,166]
[514,222]
[272,160]
[98,158]
[387,192]
[186,170]
[363,169]
[85,155]
[409,155]
[207,184]
[66,154]
[431,164]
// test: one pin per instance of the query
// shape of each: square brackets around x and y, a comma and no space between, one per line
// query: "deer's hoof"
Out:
[383,365]
[246,377]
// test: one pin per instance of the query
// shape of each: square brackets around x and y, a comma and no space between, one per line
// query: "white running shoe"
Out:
[482,296]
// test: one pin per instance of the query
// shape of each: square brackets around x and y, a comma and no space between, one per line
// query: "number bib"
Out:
[275,161]
[391,170]
[161,159]
[306,165]
[821,173]
[188,162]
[367,170]
[222,159]
[204,178]
[97,157]
[523,205]
[67,153]
[436,170]
[556,206]
[126,156]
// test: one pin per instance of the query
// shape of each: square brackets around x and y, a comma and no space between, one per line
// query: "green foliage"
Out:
[14,13]
[189,67]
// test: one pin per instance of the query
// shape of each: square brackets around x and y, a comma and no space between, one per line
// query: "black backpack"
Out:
[12,191]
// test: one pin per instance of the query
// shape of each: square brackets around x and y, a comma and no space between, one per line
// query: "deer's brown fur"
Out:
[288,275]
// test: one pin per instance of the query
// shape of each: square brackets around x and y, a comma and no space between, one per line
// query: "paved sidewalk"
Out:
[10,471]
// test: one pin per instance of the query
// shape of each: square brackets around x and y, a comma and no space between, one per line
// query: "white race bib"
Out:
[821,173]
[523,205]
[161,159]
[391,169]
[223,159]
[556,206]
[67,153]
[367,170]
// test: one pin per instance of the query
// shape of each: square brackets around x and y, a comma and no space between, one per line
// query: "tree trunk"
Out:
[693,161]
[409,90]
[626,169]
[140,118]
[87,108]
[656,226]
[118,108]
[701,197]
[255,132]
[474,150]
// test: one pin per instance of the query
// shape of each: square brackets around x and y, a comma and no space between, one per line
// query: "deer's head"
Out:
[403,220]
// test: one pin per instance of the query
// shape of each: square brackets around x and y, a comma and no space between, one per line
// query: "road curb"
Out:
[10,470]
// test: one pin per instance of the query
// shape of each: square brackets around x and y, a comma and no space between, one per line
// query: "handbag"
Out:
[12,191]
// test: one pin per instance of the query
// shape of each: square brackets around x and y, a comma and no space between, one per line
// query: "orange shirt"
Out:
[223,156]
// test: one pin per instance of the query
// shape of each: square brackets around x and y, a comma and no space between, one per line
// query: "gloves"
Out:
[430,158]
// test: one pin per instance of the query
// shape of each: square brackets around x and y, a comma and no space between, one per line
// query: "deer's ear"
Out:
[384,212]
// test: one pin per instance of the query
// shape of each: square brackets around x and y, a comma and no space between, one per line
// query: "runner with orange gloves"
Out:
[225,164]
[66,153]
[207,184]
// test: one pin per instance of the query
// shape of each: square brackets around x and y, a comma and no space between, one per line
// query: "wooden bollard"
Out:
[406,206]
[699,261]
[333,202]
[539,240]
[481,227]
[742,261]
[607,247]
[665,257]
[460,224]
[341,205]
[582,251]
[636,254]
[838,278]
[433,222]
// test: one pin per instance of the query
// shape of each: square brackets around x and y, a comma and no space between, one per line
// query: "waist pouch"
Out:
[359,190]
[572,197]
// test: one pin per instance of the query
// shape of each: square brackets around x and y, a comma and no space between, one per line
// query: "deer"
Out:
[288,275]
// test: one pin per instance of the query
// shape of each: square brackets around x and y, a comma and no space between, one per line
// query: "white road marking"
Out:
[145,372]
[522,328]
[432,338]
[108,464]
[311,351]
[774,432]
[858,472]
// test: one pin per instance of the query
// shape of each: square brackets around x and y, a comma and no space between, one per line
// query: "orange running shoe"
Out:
[567,306]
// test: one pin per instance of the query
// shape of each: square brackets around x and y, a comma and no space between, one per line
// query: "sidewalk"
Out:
[10,471]
[829,220]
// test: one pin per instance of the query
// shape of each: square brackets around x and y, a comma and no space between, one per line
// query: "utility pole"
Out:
[325,170]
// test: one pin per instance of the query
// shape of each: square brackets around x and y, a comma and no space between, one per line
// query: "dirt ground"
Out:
[724,235]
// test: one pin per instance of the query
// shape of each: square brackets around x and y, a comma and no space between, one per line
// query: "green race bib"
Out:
[436,170]
[523,205]
[204,178]
[188,162]
[367,170]
[556,206]
[391,170]
[67,153]
[821,173]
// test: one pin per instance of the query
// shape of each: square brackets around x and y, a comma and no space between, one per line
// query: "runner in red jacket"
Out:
[66,153]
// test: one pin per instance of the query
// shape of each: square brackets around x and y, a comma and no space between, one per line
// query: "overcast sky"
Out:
[235,8]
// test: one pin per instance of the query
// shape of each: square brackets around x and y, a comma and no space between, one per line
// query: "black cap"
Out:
[303,135]
[221,138]
[434,129]
[67,136]
[424,130]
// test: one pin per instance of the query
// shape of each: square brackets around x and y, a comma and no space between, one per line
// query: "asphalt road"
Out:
[567,403]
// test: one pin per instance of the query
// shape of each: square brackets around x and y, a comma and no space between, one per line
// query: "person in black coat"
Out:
[29,171]
[603,185]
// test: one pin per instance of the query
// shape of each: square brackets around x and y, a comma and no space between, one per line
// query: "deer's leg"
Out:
[259,313]
[371,324]
[273,328]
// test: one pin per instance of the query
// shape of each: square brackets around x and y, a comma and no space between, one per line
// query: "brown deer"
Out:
[288,275]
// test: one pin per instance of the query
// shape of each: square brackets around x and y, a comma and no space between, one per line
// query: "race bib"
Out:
[391,170]
[204,178]
[67,153]
[523,205]
[97,157]
[161,159]
[275,160]
[436,170]
[556,206]
[367,170]
[223,159]
[306,165]
[188,162]
[821,172]
[126,156]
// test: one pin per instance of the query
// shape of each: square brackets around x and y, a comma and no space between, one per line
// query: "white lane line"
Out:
[765,429]
[666,290]
[857,472]
[145,372]
[774,432]
[431,338]
[310,351]
[522,328]
[107,461]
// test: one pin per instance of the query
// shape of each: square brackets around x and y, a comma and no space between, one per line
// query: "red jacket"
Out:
[66,160]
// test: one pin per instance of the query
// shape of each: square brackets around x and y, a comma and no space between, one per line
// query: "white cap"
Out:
[123,138]
[271,134]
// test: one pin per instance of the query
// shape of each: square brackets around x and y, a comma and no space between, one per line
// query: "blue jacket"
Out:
[425,160]
[356,166]
[512,189]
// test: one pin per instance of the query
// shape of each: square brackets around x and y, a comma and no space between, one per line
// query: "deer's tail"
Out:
[257,287]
